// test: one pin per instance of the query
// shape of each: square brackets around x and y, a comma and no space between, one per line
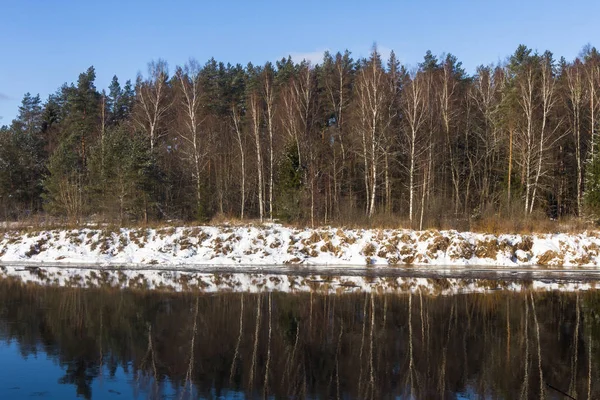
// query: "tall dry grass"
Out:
[490,223]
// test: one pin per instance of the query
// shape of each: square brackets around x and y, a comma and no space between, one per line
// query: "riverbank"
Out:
[273,244]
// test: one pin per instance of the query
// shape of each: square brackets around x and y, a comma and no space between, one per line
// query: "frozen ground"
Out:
[278,245]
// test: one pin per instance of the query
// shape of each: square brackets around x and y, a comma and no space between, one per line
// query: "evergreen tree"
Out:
[113,101]
[289,186]
[121,175]
[23,158]
[65,184]
[29,120]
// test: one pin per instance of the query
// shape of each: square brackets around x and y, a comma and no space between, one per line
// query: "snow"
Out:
[273,244]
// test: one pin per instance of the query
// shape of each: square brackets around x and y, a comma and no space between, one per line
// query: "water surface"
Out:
[107,343]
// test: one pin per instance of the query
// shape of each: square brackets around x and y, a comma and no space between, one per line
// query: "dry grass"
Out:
[533,224]
[550,258]
[514,222]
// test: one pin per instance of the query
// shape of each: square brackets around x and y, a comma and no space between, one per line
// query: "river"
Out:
[114,343]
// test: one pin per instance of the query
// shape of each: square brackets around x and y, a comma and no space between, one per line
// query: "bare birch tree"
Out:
[270,104]
[575,84]
[414,110]
[371,102]
[237,126]
[546,138]
[592,78]
[153,100]
[485,93]
[191,132]
[337,89]
[449,110]
[255,109]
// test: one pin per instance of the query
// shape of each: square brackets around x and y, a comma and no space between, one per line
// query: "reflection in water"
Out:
[183,345]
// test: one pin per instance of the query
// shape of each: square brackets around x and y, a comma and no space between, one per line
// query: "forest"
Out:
[342,141]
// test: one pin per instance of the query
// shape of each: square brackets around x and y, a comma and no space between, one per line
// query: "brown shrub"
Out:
[461,249]
[548,257]
[592,249]
[487,249]
[525,244]
[406,238]
[369,250]
[313,238]
[439,243]
[329,247]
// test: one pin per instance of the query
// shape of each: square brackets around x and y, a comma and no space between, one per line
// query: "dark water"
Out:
[62,343]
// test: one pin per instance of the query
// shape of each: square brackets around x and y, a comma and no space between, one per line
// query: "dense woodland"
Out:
[343,140]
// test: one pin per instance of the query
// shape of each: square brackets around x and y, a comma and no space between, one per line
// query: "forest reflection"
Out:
[501,345]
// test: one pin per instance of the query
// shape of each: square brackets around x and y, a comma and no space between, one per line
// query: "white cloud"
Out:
[314,57]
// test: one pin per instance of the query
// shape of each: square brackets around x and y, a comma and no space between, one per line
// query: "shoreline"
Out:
[449,281]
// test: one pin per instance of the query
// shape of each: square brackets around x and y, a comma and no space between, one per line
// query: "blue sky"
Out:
[46,43]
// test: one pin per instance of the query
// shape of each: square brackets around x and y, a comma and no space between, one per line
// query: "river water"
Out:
[109,343]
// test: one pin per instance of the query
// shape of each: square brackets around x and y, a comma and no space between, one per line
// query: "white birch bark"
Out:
[255,114]
[237,124]
[413,107]
[152,101]
[191,132]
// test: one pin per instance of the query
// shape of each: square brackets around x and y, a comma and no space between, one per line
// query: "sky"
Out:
[44,44]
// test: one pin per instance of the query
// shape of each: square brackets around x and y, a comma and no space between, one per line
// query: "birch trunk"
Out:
[413,106]
[189,80]
[238,132]
[547,91]
[574,81]
[270,111]
[152,100]
[255,114]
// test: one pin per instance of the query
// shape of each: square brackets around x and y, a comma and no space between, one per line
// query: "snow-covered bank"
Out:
[277,245]
[178,281]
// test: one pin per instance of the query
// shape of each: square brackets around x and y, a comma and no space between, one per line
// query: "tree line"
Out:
[342,140]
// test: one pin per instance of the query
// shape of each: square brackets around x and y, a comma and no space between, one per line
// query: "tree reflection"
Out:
[501,345]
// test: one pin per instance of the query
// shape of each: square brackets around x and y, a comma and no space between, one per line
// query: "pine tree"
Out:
[65,185]
[23,157]
[120,175]
[289,187]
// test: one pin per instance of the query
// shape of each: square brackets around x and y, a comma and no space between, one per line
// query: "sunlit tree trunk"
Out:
[238,132]
[269,97]
[255,112]
[413,107]
[575,94]
[152,101]
[190,133]
[548,101]
[592,69]
[526,101]
[371,103]
[448,112]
